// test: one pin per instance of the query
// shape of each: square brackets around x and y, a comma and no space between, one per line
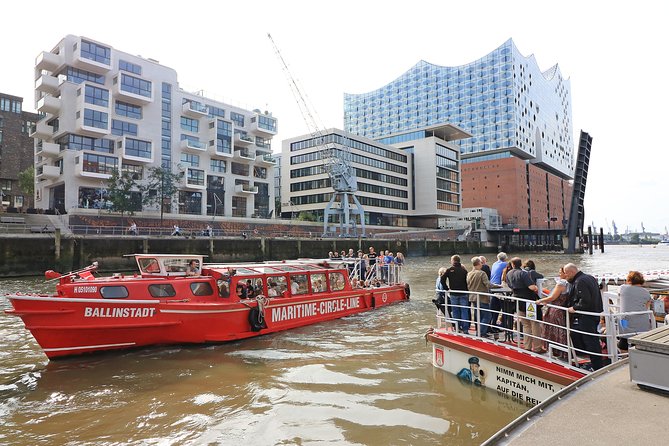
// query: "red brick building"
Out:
[16,151]
[525,195]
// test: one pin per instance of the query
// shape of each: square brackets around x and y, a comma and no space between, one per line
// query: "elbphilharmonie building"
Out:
[519,116]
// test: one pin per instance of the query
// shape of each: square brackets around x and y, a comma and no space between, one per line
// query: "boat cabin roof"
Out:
[178,264]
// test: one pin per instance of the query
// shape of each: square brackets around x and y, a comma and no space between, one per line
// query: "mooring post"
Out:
[590,240]
[601,239]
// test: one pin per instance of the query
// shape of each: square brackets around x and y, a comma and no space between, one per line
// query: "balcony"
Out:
[246,189]
[79,171]
[47,172]
[88,64]
[42,131]
[87,130]
[48,84]
[128,96]
[195,110]
[263,130]
[49,104]
[48,149]
[214,153]
[244,156]
[265,160]
[188,145]
[48,61]
[242,140]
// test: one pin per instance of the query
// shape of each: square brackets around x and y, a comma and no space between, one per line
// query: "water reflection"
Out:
[366,379]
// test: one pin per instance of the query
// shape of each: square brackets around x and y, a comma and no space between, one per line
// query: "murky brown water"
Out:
[365,380]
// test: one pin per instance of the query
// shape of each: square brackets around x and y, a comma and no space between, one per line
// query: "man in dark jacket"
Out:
[585,296]
[456,276]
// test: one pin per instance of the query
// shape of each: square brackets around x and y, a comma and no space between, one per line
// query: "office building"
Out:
[521,149]
[16,152]
[105,109]
[410,179]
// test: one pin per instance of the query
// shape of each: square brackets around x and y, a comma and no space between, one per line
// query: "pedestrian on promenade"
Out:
[176,230]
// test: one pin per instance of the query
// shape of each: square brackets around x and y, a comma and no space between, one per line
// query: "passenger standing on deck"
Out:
[441,287]
[496,279]
[556,317]
[520,282]
[456,276]
[585,296]
[634,297]
[485,267]
[477,280]
[372,261]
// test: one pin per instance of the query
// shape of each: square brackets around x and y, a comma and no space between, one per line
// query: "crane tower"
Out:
[336,163]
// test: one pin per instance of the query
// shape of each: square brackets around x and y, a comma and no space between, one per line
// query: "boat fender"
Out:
[373,301]
[256,319]
[407,290]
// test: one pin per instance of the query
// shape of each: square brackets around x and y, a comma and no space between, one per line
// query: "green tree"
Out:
[27,181]
[119,188]
[306,216]
[161,187]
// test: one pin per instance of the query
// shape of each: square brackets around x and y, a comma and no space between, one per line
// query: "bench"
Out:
[19,220]
[42,229]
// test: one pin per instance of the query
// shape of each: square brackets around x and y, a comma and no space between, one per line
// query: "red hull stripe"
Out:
[508,357]
[102,327]
[88,347]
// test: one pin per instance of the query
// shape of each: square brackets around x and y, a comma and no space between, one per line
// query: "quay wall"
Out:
[32,254]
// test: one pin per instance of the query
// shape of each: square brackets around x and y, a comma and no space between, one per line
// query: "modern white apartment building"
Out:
[408,179]
[104,109]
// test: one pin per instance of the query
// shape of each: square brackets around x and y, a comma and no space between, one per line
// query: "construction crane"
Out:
[336,163]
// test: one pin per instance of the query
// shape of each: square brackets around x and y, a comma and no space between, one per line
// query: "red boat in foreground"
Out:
[176,299]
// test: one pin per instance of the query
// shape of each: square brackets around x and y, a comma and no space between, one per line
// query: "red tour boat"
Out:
[176,299]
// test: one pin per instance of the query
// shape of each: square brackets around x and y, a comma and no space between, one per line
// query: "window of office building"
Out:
[96,96]
[218,166]
[121,128]
[5,104]
[239,169]
[136,172]
[216,112]
[99,163]
[239,206]
[97,119]
[128,110]
[96,52]
[223,136]
[237,118]
[190,160]
[138,148]
[190,202]
[78,142]
[78,76]
[196,177]
[189,124]
[135,85]
[129,66]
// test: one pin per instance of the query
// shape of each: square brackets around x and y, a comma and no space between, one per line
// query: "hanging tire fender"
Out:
[407,290]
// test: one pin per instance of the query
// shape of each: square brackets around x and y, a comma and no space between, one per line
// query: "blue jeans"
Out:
[486,317]
[460,310]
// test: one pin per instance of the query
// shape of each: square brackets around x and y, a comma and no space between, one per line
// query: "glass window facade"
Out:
[121,128]
[138,148]
[128,110]
[237,118]
[96,52]
[189,124]
[130,67]
[97,119]
[135,85]
[78,142]
[99,163]
[96,96]
[503,99]
[78,76]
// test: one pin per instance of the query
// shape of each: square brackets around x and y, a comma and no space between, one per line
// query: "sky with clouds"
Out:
[614,54]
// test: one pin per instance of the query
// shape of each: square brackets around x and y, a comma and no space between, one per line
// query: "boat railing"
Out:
[609,328]
[378,273]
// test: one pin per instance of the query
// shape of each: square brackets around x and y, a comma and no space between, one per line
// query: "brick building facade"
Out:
[525,195]
[16,151]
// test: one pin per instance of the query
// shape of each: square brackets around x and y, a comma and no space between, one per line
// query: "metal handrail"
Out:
[611,319]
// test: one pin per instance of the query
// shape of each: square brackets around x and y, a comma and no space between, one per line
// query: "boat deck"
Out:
[607,409]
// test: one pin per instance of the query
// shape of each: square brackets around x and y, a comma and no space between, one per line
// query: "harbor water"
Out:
[362,380]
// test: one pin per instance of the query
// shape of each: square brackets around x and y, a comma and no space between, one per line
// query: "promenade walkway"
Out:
[602,408]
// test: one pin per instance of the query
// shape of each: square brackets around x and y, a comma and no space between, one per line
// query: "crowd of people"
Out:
[370,269]
[576,295]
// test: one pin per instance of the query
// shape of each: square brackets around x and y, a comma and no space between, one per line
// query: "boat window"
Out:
[201,289]
[337,281]
[298,284]
[241,290]
[176,265]
[318,283]
[162,290]
[223,288]
[149,265]
[114,292]
[276,286]
[258,288]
